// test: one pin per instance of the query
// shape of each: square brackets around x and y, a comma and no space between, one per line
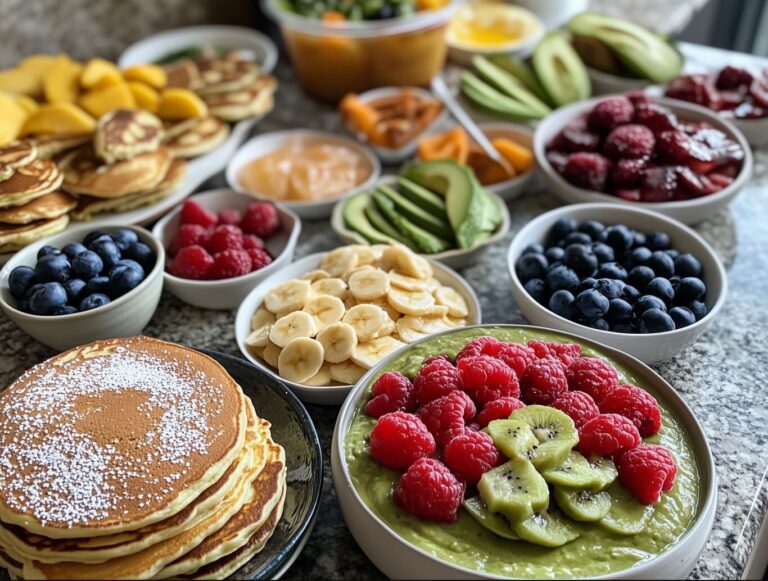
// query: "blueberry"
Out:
[581,259]
[619,311]
[91,236]
[108,251]
[656,321]
[622,328]
[87,264]
[660,287]
[142,254]
[600,324]
[23,305]
[640,276]
[619,237]
[661,264]
[531,266]
[97,285]
[592,304]
[93,301]
[123,279]
[74,288]
[47,250]
[73,249]
[630,293]
[561,277]
[586,284]
[698,308]
[561,303]
[537,288]
[562,228]
[124,238]
[657,240]
[32,289]
[639,256]
[46,298]
[53,268]
[675,282]
[612,270]
[682,317]
[647,302]
[555,264]
[672,253]
[593,229]
[130,264]
[102,238]
[20,279]
[577,238]
[65,310]
[603,252]
[640,238]
[609,288]
[555,254]
[687,265]
[533,249]
[691,289]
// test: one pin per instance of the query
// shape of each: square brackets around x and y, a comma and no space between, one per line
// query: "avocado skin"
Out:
[414,213]
[423,240]
[355,218]
[560,69]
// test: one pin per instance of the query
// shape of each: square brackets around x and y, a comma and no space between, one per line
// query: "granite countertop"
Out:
[722,377]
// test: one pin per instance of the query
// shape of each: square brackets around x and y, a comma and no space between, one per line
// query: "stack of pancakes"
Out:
[31,207]
[134,459]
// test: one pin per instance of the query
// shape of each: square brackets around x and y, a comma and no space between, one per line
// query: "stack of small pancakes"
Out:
[134,459]
[31,207]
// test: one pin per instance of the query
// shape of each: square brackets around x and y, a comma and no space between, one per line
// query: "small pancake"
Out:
[251,101]
[16,154]
[202,135]
[85,173]
[221,75]
[14,567]
[125,133]
[183,74]
[49,146]
[36,179]
[45,207]
[14,237]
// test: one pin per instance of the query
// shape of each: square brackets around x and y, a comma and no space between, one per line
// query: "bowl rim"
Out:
[507,47]
[160,227]
[238,160]
[571,111]
[704,457]
[144,236]
[719,272]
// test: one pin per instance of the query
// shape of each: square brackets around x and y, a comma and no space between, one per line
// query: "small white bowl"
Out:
[646,347]
[399,559]
[334,394]
[606,83]
[687,211]
[455,258]
[227,293]
[123,317]
[269,142]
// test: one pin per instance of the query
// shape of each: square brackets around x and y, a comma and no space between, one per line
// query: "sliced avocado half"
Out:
[509,85]
[381,224]
[486,97]
[356,219]
[560,70]
[430,201]
[423,240]
[523,73]
[416,214]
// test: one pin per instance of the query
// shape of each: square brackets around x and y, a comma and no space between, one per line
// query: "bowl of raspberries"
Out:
[676,158]
[220,244]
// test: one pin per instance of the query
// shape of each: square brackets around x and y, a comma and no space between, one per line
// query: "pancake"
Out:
[14,237]
[85,173]
[221,75]
[36,179]
[14,567]
[196,136]
[45,207]
[141,428]
[51,145]
[16,154]
[183,74]
[253,100]
[125,133]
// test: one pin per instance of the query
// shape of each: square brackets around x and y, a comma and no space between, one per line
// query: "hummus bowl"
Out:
[403,546]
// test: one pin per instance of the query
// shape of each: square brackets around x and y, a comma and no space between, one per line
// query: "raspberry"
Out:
[259,258]
[577,405]
[487,378]
[628,173]
[517,356]
[659,184]
[447,416]
[608,434]
[436,378]
[251,241]
[261,219]
[733,78]
[392,392]
[587,170]
[434,358]
[655,118]
[231,217]
[225,238]
[189,235]
[647,471]
[192,262]
[610,113]
[576,137]
[638,98]
[399,439]
[565,352]
[194,213]
[430,491]
[543,381]
[629,142]
[470,455]
[480,346]
[499,409]
[231,263]
[594,376]
[636,404]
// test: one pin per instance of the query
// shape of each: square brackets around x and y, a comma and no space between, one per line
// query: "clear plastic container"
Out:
[332,59]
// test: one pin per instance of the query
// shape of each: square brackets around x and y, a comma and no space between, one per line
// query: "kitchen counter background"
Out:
[723,377]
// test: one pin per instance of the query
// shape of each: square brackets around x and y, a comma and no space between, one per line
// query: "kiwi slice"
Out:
[583,505]
[493,521]
[514,489]
[604,470]
[627,516]
[553,429]
[575,472]
[513,437]
[547,528]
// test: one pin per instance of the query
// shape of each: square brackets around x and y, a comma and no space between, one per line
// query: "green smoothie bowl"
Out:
[522,453]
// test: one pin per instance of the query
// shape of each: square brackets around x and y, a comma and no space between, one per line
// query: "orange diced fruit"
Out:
[453,144]
[152,75]
[177,104]
[519,156]
[101,101]
[362,117]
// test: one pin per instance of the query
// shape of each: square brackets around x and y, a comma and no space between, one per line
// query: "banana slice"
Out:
[368,321]
[436,311]
[259,337]
[457,306]
[325,310]
[336,262]
[290,327]
[321,378]
[393,313]
[453,322]
[300,359]
[339,341]
[262,317]
[289,296]
[348,273]
[271,354]
[347,373]
[257,352]
[314,275]
[410,302]
[368,285]
[433,284]
[365,254]
[427,325]
[406,331]
[407,282]
[369,354]
[404,261]
[330,286]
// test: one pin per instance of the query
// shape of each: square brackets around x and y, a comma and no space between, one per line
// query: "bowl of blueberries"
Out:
[84,284]
[629,278]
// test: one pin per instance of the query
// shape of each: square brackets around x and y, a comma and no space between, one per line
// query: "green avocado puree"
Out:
[466,543]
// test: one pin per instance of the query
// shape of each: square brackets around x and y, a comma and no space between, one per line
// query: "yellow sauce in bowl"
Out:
[489,24]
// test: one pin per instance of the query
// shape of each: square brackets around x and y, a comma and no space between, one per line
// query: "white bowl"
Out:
[335,394]
[123,317]
[455,258]
[269,142]
[228,293]
[688,211]
[399,559]
[607,83]
[754,130]
[646,347]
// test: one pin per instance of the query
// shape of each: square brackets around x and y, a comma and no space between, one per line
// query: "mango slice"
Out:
[12,118]
[21,82]
[100,74]
[40,63]
[181,104]
[29,105]
[146,97]
[59,118]
[61,82]
[152,75]
[100,101]
[518,155]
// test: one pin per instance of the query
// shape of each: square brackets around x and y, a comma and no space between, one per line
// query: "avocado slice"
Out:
[495,102]
[430,201]
[560,70]
[523,73]
[423,240]
[509,85]
[382,225]
[355,218]
[417,214]
[642,52]
[598,55]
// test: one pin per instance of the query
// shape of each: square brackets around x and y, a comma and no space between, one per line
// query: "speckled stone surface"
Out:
[722,377]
